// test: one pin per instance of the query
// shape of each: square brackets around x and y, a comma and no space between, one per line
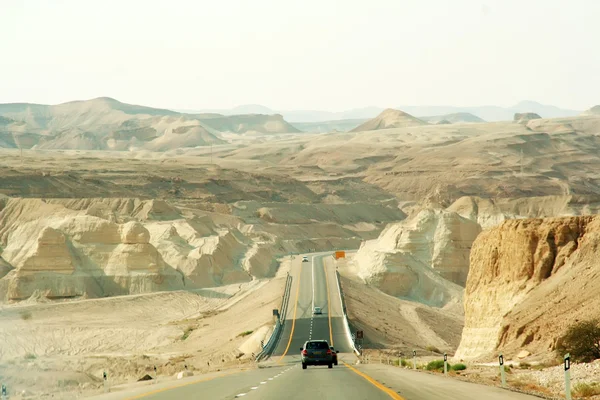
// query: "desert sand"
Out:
[132,237]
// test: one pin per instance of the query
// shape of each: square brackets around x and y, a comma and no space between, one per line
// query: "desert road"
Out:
[281,376]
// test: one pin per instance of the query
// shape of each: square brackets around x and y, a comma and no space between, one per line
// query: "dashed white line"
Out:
[240,395]
[254,387]
[263,383]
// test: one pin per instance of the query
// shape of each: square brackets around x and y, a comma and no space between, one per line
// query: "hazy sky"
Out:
[301,54]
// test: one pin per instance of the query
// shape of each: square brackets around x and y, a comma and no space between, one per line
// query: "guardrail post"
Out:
[414,359]
[502,371]
[445,364]
[567,364]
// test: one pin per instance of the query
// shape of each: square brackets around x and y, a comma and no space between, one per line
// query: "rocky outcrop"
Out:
[528,280]
[592,111]
[424,258]
[523,118]
[82,255]
[205,260]
[388,119]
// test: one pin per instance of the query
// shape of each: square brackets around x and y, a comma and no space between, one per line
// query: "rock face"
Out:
[105,247]
[523,118]
[424,258]
[528,280]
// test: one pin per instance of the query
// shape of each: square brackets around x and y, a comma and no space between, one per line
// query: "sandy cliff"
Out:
[528,280]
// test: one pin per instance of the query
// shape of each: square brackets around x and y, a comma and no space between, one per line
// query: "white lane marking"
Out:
[254,387]
[313,282]
[270,379]
[240,395]
[263,383]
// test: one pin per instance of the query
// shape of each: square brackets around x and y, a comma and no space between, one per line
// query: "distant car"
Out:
[304,259]
[316,352]
[334,354]
[317,310]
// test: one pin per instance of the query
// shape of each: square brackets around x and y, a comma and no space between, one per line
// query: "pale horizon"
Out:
[314,55]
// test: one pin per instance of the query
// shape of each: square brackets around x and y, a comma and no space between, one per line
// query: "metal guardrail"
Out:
[277,328]
[346,324]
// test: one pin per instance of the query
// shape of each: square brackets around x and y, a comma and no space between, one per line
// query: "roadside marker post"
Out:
[502,372]
[4,394]
[445,364]
[155,375]
[568,376]
[414,359]
[105,382]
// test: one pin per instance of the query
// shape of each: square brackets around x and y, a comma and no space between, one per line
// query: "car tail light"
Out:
[304,352]
[328,352]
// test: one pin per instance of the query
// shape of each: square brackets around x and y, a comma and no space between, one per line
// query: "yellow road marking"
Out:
[139,396]
[378,385]
[328,305]
[294,320]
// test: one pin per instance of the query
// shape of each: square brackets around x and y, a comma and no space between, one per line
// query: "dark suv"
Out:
[316,352]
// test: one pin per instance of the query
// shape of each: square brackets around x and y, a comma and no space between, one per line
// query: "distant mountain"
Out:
[389,118]
[455,118]
[296,116]
[487,113]
[107,124]
[494,113]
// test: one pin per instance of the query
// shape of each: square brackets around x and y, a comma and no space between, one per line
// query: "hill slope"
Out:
[107,124]
[389,118]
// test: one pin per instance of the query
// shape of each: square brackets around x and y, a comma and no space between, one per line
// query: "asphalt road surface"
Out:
[281,377]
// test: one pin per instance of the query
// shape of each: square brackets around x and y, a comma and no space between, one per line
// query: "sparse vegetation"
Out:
[30,356]
[188,331]
[586,389]
[582,341]
[26,315]
[437,365]
[433,349]
[459,367]
[524,365]
[245,333]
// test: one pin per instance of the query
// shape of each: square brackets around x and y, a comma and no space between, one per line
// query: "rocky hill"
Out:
[523,118]
[528,281]
[107,124]
[424,258]
[592,111]
[97,248]
[389,118]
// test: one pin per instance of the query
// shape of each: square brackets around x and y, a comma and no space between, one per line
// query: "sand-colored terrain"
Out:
[63,348]
[190,234]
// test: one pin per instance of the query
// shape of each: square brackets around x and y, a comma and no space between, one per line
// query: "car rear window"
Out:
[317,345]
